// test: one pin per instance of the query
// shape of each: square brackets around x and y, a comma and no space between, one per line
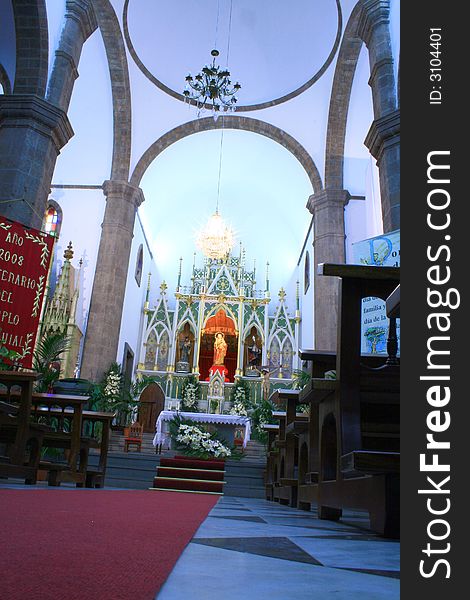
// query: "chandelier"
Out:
[216,238]
[212,87]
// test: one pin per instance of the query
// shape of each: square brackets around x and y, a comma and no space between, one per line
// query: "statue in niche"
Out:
[185,349]
[220,348]
[253,353]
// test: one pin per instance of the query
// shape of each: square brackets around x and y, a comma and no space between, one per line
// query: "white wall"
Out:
[131,323]
[306,298]
[363,218]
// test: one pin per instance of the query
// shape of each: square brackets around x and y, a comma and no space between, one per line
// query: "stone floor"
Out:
[253,549]
[249,548]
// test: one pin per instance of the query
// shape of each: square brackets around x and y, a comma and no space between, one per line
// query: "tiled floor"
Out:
[253,549]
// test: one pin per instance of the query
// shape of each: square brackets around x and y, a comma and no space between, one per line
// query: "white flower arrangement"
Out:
[240,403]
[113,384]
[190,396]
[198,440]
[238,408]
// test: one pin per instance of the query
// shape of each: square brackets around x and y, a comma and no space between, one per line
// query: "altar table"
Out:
[162,435]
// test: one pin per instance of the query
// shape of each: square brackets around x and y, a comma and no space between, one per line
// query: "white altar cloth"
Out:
[162,435]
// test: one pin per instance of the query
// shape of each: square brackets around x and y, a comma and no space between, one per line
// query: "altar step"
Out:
[190,475]
[254,451]
[245,478]
[129,470]
[134,470]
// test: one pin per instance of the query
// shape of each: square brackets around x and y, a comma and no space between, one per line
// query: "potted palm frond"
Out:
[47,357]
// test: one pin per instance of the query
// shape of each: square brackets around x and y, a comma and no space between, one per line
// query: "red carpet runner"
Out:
[93,544]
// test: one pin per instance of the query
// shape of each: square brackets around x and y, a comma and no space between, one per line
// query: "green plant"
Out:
[8,358]
[52,453]
[111,395]
[261,415]
[300,379]
[46,359]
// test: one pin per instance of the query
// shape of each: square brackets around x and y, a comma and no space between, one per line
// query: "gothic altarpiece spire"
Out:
[222,327]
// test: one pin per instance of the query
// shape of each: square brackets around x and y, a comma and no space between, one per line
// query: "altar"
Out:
[226,425]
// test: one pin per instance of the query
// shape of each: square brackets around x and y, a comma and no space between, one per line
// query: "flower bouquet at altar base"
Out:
[192,439]
[190,394]
[240,398]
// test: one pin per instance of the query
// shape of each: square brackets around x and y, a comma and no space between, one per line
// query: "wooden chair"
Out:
[133,436]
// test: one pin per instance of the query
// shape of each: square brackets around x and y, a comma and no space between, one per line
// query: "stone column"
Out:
[383,139]
[104,320]
[32,129]
[80,23]
[327,208]
[32,132]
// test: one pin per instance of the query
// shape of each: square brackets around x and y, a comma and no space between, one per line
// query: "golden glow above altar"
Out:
[216,238]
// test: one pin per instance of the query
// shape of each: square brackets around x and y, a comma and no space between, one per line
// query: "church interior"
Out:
[200,299]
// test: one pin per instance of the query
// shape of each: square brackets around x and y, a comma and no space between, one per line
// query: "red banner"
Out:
[25,255]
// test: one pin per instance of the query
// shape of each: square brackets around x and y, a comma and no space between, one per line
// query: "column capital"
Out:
[327,197]
[82,12]
[39,114]
[383,133]
[373,13]
[125,190]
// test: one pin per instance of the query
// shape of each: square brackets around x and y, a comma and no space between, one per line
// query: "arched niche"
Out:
[185,346]
[220,323]
[252,349]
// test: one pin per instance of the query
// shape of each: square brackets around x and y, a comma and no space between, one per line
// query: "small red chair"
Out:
[133,436]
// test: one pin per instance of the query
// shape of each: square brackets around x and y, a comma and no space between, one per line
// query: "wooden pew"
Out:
[358,433]
[313,394]
[22,438]
[286,462]
[271,475]
[63,413]
[95,476]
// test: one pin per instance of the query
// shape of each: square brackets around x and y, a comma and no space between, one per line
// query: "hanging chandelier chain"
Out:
[217,25]
[229,31]
[220,167]
[212,87]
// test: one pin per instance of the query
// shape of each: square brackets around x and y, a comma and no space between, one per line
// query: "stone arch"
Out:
[32,47]
[113,41]
[228,122]
[366,18]
[340,96]
[4,80]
